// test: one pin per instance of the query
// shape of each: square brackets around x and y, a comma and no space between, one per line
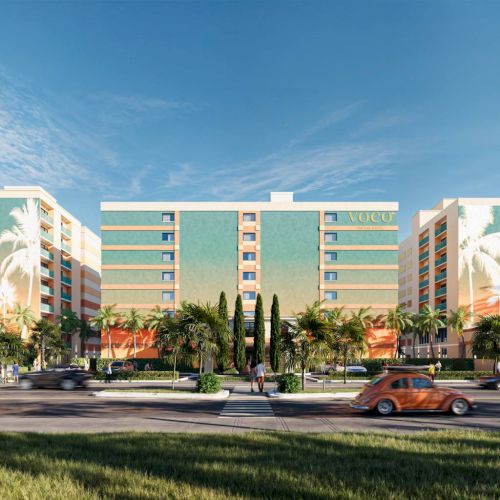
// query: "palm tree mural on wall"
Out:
[7,296]
[479,252]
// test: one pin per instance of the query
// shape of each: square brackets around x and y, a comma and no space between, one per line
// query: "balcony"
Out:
[441,245]
[423,284]
[441,229]
[423,255]
[423,241]
[441,260]
[423,298]
[440,291]
[66,248]
[45,271]
[66,231]
[65,296]
[441,307]
[66,280]
[423,270]
[47,308]
[47,218]
[440,276]
[46,290]
[46,254]
[46,236]
[66,263]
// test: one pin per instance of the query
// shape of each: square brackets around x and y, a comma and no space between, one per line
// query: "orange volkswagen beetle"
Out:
[409,391]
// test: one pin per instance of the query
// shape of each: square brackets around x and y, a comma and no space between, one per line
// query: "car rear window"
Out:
[375,380]
[400,383]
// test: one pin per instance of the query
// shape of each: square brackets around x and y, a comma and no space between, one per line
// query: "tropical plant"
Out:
[335,316]
[486,339]
[223,356]
[85,332]
[274,351]
[11,347]
[259,335]
[239,342]
[208,383]
[25,239]
[430,320]
[154,320]
[457,320]
[106,318]
[24,318]
[365,318]
[68,321]
[288,383]
[306,339]
[478,251]
[398,321]
[7,296]
[133,322]
[46,336]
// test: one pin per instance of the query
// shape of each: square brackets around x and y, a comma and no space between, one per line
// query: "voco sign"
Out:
[373,217]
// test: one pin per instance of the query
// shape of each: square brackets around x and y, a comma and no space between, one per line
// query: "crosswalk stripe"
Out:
[242,405]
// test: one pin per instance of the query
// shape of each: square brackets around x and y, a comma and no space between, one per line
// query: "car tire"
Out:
[26,384]
[459,407]
[385,407]
[67,384]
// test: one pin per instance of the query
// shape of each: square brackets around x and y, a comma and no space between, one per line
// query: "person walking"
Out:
[498,368]
[252,374]
[109,373]
[438,367]
[261,373]
[432,371]
[15,372]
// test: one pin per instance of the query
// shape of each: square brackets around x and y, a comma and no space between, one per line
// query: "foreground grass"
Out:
[159,389]
[444,465]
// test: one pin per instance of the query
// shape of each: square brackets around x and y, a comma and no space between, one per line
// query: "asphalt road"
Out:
[79,411]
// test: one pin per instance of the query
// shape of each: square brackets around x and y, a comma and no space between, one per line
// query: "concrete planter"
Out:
[313,395]
[161,395]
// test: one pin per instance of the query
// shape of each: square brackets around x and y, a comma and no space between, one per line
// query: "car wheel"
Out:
[459,406]
[385,407]
[26,384]
[67,384]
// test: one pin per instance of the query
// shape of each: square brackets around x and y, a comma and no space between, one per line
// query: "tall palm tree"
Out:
[335,315]
[46,336]
[7,296]
[106,318]
[397,321]
[133,322]
[477,250]
[430,321]
[85,331]
[365,318]
[12,347]
[25,240]
[495,297]
[486,340]
[457,320]
[24,318]
[305,339]
[68,322]
[154,321]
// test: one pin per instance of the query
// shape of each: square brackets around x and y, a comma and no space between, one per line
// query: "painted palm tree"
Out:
[133,322]
[365,318]
[457,320]
[7,296]
[495,297]
[24,237]
[24,318]
[398,321]
[106,318]
[430,321]
[478,252]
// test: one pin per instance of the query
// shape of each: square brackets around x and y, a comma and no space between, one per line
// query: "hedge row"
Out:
[157,364]
[447,375]
[448,364]
[153,375]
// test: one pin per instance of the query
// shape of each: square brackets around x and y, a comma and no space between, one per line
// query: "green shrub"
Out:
[208,383]
[232,371]
[444,375]
[138,375]
[157,363]
[449,364]
[288,383]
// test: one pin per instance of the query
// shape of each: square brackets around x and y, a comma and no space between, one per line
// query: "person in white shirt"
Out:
[261,373]
[438,367]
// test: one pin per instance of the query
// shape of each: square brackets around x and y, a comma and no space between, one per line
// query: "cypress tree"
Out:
[274,351]
[259,336]
[223,355]
[239,348]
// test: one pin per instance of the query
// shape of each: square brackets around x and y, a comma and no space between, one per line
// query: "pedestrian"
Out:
[432,371]
[109,373]
[135,365]
[261,373]
[498,368]
[3,374]
[15,372]
[438,367]
[35,365]
[252,373]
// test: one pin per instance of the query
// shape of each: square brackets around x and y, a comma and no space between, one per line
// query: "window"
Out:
[248,295]
[422,383]
[329,295]
[249,314]
[167,276]
[168,312]
[248,255]
[401,383]
[330,256]
[248,217]
[167,256]
[331,217]
[167,217]
[248,276]
[330,276]
[424,339]
[249,328]
[442,335]
[248,236]
[444,352]
[330,237]
[167,296]
[167,237]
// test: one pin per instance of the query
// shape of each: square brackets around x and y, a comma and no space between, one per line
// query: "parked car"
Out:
[120,366]
[409,391]
[63,377]
[351,369]
[490,381]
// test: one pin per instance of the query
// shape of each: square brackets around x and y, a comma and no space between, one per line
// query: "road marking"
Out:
[246,405]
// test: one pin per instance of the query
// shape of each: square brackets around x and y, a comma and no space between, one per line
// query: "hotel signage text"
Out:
[372,217]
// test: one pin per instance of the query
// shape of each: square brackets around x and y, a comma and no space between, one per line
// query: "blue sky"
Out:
[215,100]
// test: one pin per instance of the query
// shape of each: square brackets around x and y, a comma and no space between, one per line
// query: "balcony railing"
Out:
[441,229]
[423,298]
[66,263]
[441,260]
[46,308]
[66,296]
[46,235]
[423,270]
[66,280]
[423,241]
[440,245]
[423,284]
[65,247]
[441,276]
[46,253]
[441,307]
[66,231]
[423,255]
[441,291]
[46,271]
[47,290]
[47,218]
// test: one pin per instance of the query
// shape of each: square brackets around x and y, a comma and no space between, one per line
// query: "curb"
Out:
[155,381]
[161,395]
[313,395]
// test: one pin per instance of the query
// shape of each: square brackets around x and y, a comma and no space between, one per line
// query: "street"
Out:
[45,410]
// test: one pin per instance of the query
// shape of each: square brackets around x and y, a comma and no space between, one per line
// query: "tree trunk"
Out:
[471,293]
[413,346]
[135,344]
[30,288]
[431,345]
[303,376]
[397,347]
[109,343]
[462,342]
[345,370]
[201,365]
[173,376]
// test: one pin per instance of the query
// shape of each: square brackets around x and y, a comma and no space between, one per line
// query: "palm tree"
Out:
[155,320]
[133,321]
[11,347]
[365,319]
[24,318]
[305,339]
[430,321]
[7,296]
[477,250]
[68,321]
[486,340]
[25,240]
[47,336]
[457,320]
[106,318]
[397,321]
[85,331]
[495,297]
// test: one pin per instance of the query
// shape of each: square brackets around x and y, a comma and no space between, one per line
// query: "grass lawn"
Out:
[445,465]
[331,389]
[160,389]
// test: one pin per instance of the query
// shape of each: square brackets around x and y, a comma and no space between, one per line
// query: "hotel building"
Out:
[48,260]
[162,253]
[451,259]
